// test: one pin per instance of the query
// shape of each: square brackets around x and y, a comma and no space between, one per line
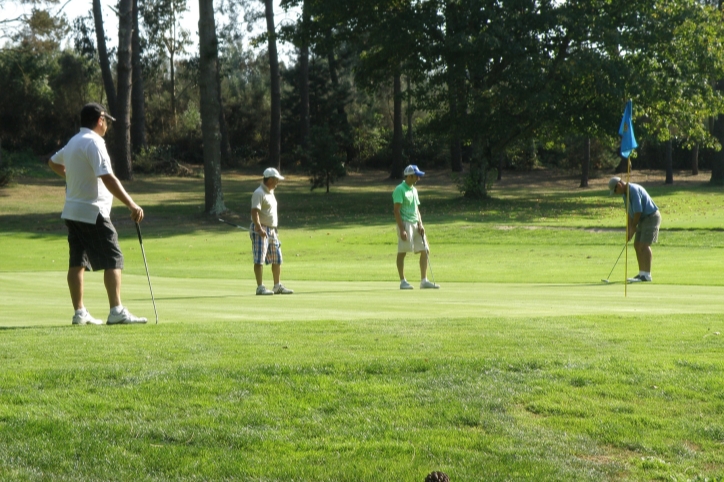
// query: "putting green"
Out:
[182,300]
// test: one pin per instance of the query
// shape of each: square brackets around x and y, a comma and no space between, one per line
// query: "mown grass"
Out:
[523,367]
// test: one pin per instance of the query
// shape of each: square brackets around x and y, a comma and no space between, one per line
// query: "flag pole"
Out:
[628,144]
[628,203]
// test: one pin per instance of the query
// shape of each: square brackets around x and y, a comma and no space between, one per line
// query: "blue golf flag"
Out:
[628,141]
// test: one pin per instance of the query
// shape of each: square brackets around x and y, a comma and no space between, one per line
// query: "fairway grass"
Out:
[595,397]
[524,366]
[192,301]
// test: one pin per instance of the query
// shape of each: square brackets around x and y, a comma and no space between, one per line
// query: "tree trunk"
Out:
[223,127]
[138,105]
[453,87]
[669,163]
[106,73]
[717,165]
[210,109]
[276,97]
[172,67]
[456,156]
[304,78]
[123,168]
[409,112]
[586,164]
[695,160]
[397,161]
[501,164]
[341,112]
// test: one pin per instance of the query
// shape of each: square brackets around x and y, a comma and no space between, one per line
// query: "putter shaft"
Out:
[429,264]
[232,224]
[145,263]
[614,264]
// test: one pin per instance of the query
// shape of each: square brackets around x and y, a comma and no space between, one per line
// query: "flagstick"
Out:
[628,203]
[628,144]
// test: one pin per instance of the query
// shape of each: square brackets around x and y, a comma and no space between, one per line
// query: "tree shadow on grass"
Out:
[174,206]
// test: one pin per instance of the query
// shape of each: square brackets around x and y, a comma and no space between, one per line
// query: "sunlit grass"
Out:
[524,366]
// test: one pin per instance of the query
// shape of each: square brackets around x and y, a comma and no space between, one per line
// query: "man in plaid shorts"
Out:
[265,244]
[90,187]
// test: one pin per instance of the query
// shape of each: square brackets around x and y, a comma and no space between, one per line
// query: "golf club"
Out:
[429,264]
[614,265]
[235,225]
[140,240]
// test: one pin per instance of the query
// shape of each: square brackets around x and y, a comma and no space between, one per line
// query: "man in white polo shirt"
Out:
[265,244]
[90,186]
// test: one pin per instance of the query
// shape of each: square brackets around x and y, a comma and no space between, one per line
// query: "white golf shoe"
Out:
[262,291]
[428,285]
[281,290]
[404,285]
[124,318]
[86,319]
[639,278]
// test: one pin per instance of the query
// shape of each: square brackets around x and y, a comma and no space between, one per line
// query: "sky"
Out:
[78,8]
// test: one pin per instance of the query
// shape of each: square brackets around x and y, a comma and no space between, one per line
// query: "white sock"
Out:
[423,280]
[277,285]
[116,310]
[645,273]
[81,311]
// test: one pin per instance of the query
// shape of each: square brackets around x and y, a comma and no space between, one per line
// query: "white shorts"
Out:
[414,243]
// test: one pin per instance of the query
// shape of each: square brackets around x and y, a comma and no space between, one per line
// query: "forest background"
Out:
[473,86]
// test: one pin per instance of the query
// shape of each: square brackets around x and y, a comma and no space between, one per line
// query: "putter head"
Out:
[605,281]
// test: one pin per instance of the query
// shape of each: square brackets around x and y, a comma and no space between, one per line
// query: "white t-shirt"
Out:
[263,199]
[85,159]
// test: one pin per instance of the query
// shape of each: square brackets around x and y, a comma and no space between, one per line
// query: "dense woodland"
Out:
[474,86]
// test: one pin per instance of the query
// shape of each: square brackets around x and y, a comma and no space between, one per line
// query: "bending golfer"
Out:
[265,244]
[644,220]
[90,186]
[410,231]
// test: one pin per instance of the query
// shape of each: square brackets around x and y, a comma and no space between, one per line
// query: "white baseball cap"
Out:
[271,172]
[612,183]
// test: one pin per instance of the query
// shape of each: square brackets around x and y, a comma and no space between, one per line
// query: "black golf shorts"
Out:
[94,246]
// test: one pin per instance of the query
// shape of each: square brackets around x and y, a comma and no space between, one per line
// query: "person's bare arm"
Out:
[116,188]
[420,227]
[400,224]
[59,169]
[257,223]
[633,222]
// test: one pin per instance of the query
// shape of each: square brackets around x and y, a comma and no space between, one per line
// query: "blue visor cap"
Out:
[412,169]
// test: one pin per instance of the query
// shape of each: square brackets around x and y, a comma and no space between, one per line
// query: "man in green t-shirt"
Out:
[410,231]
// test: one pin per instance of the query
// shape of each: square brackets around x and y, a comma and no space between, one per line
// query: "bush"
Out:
[160,160]
[478,181]
[323,160]
[23,164]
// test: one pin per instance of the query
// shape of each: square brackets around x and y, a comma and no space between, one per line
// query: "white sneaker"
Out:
[281,290]
[86,319]
[124,318]
[428,285]
[261,290]
[639,278]
[404,285]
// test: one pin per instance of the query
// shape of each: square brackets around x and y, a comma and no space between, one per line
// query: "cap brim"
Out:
[108,116]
